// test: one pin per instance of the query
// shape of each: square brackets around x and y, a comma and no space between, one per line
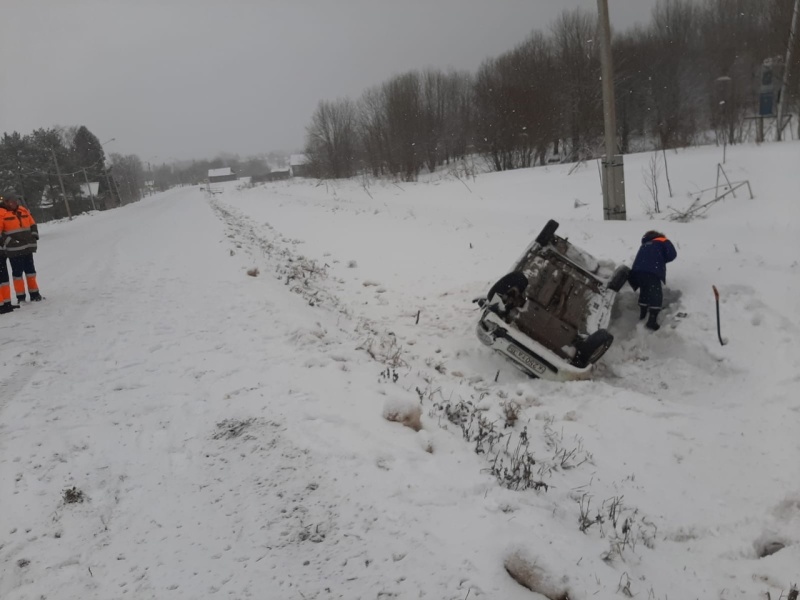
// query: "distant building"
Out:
[46,202]
[91,189]
[279,174]
[220,175]
[260,178]
[298,165]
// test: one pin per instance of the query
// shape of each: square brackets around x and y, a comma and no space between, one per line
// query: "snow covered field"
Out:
[225,433]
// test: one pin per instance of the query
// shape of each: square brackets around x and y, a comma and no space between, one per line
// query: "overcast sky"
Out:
[191,78]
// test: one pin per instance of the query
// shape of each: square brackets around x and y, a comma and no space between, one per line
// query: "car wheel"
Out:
[592,348]
[515,279]
[546,235]
[619,278]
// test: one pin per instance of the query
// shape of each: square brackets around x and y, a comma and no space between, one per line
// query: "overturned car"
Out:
[549,314]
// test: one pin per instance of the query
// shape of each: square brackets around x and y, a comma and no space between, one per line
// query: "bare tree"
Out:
[578,63]
[128,173]
[691,70]
[734,38]
[459,115]
[373,130]
[674,33]
[651,173]
[516,104]
[331,140]
[631,85]
[433,100]
[403,101]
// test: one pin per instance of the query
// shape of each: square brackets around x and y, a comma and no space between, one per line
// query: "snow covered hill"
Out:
[174,427]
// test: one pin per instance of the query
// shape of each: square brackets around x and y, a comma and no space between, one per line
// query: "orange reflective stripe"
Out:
[5,292]
[19,286]
[32,285]
[659,239]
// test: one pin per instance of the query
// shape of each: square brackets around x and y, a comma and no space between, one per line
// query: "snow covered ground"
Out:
[225,435]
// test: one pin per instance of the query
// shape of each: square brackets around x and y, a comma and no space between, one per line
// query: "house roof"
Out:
[220,172]
[296,160]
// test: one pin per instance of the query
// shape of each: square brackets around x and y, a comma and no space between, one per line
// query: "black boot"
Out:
[7,307]
[21,299]
[642,312]
[652,322]
[36,296]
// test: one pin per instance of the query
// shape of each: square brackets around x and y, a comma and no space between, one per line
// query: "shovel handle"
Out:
[719,330]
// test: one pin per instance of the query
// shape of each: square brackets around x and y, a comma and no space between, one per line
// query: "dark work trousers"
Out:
[650,293]
[5,286]
[23,265]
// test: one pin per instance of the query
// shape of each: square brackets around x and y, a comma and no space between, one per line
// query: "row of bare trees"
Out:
[414,120]
[695,69]
[692,72]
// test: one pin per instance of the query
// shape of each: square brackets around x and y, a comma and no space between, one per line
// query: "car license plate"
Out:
[526,359]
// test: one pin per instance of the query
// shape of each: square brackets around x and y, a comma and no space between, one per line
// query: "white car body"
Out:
[549,315]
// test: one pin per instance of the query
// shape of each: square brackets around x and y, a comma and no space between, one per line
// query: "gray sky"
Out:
[190,78]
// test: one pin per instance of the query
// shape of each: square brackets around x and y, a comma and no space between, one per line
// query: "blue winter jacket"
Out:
[653,256]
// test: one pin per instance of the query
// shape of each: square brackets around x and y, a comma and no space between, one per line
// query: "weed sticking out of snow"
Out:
[232,428]
[73,495]
[512,464]
[510,412]
[383,349]
[621,525]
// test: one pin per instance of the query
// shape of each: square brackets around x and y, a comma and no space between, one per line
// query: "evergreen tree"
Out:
[88,153]
[14,154]
[44,145]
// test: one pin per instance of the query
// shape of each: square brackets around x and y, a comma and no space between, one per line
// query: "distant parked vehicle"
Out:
[549,314]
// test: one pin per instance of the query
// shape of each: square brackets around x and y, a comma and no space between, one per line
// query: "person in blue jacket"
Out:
[649,271]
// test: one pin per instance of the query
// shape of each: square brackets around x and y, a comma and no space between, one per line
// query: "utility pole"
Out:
[787,69]
[21,187]
[110,189]
[613,168]
[116,185]
[89,185]
[61,181]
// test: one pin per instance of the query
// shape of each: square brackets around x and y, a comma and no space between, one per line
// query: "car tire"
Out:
[590,350]
[547,233]
[619,278]
[515,279]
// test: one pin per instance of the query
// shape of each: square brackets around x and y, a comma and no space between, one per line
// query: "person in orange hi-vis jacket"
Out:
[19,235]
